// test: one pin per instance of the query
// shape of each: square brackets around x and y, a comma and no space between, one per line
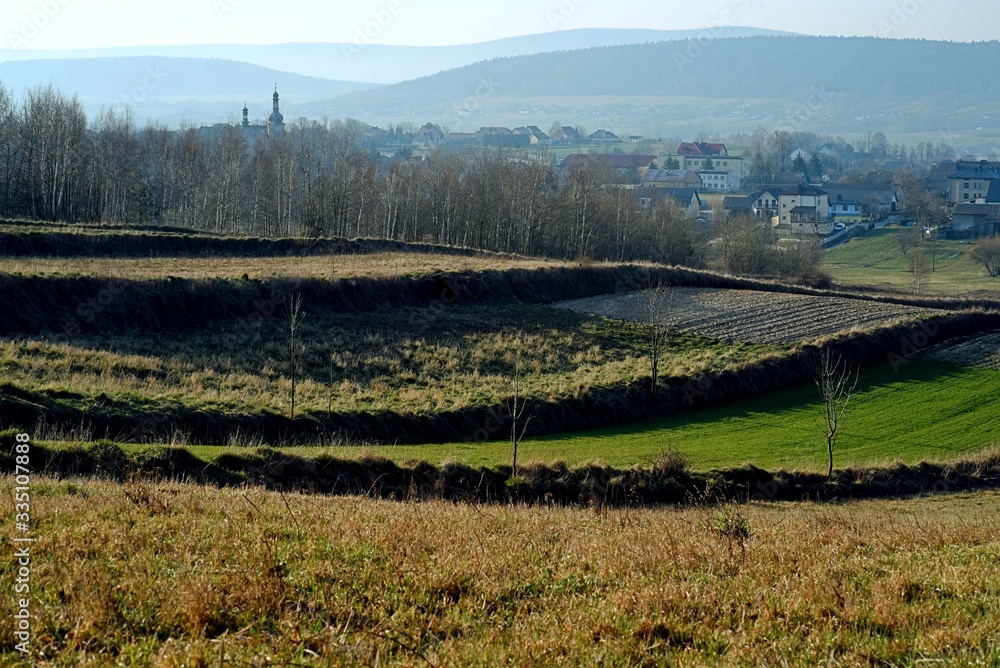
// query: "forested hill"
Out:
[199,90]
[835,79]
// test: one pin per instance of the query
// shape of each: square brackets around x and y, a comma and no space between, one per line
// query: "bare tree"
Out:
[655,304]
[987,253]
[518,422]
[918,265]
[836,385]
[295,316]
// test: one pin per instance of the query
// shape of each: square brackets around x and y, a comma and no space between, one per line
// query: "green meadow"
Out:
[921,411]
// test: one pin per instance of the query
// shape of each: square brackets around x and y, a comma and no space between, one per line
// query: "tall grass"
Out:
[171,574]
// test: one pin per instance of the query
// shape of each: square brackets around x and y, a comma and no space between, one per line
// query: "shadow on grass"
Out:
[668,481]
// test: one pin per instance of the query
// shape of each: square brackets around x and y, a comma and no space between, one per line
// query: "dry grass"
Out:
[409,360]
[378,265]
[173,575]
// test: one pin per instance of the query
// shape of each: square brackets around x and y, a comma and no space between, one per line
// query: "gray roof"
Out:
[738,203]
[977,210]
[979,173]
[670,176]
[850,193]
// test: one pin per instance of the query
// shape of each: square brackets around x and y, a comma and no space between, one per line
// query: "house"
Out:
[992,195]
[429,135]
[630,168]
[714,180]
[672,179]
[604,137]
[806,209]
[462,139]
[739,204]
[764,203]
[566,135]
[496,137]
[634,139]
[687,199]
[704,157]
[855,201]
[974,220]
[787,179]
[699,148]
[535,135]
[970,184]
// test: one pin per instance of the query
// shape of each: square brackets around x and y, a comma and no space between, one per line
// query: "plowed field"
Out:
[981,351]
[751,316]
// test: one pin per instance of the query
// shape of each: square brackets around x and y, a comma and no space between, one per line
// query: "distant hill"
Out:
[392,64]
[197,90]
[815,83]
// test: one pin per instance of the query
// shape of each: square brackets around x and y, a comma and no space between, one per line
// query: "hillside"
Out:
[390,64]
[819,83]
[197,90]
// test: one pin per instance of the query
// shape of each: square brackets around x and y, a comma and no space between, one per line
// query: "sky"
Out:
[82,24]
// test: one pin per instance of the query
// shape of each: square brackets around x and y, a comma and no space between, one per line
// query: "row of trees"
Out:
[318,180]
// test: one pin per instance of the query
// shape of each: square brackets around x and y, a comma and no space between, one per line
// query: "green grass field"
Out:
[875,260]
[925,411]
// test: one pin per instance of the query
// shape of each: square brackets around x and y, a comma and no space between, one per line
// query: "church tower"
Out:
[275,122]
[246,116]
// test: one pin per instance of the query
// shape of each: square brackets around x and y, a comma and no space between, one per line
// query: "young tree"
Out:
[518,422]
[836,386]
[655,303]
[987,253]
[918,265]
[295,316]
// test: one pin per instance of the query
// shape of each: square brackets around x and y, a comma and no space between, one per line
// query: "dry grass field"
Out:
[407,360]
[751,316]
[178,575]
[377,265]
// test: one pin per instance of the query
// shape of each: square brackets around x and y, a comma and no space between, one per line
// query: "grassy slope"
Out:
[334,267]
[405,360]
[141,574]
[926,410]
[876,260]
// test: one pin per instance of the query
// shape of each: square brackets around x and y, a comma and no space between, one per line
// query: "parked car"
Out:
[840,226]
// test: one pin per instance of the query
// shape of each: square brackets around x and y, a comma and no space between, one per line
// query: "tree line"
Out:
[317,180]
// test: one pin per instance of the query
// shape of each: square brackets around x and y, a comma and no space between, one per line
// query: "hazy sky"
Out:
[72,24]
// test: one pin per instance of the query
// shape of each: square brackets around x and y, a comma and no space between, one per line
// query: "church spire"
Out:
[276,122]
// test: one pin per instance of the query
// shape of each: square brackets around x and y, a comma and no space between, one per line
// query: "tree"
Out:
[909,237]
[987,253]
[815,165]
[836,386]
[295,316]
[654,304]
[918,265]
[800,164]
[746,245]
[518,423]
